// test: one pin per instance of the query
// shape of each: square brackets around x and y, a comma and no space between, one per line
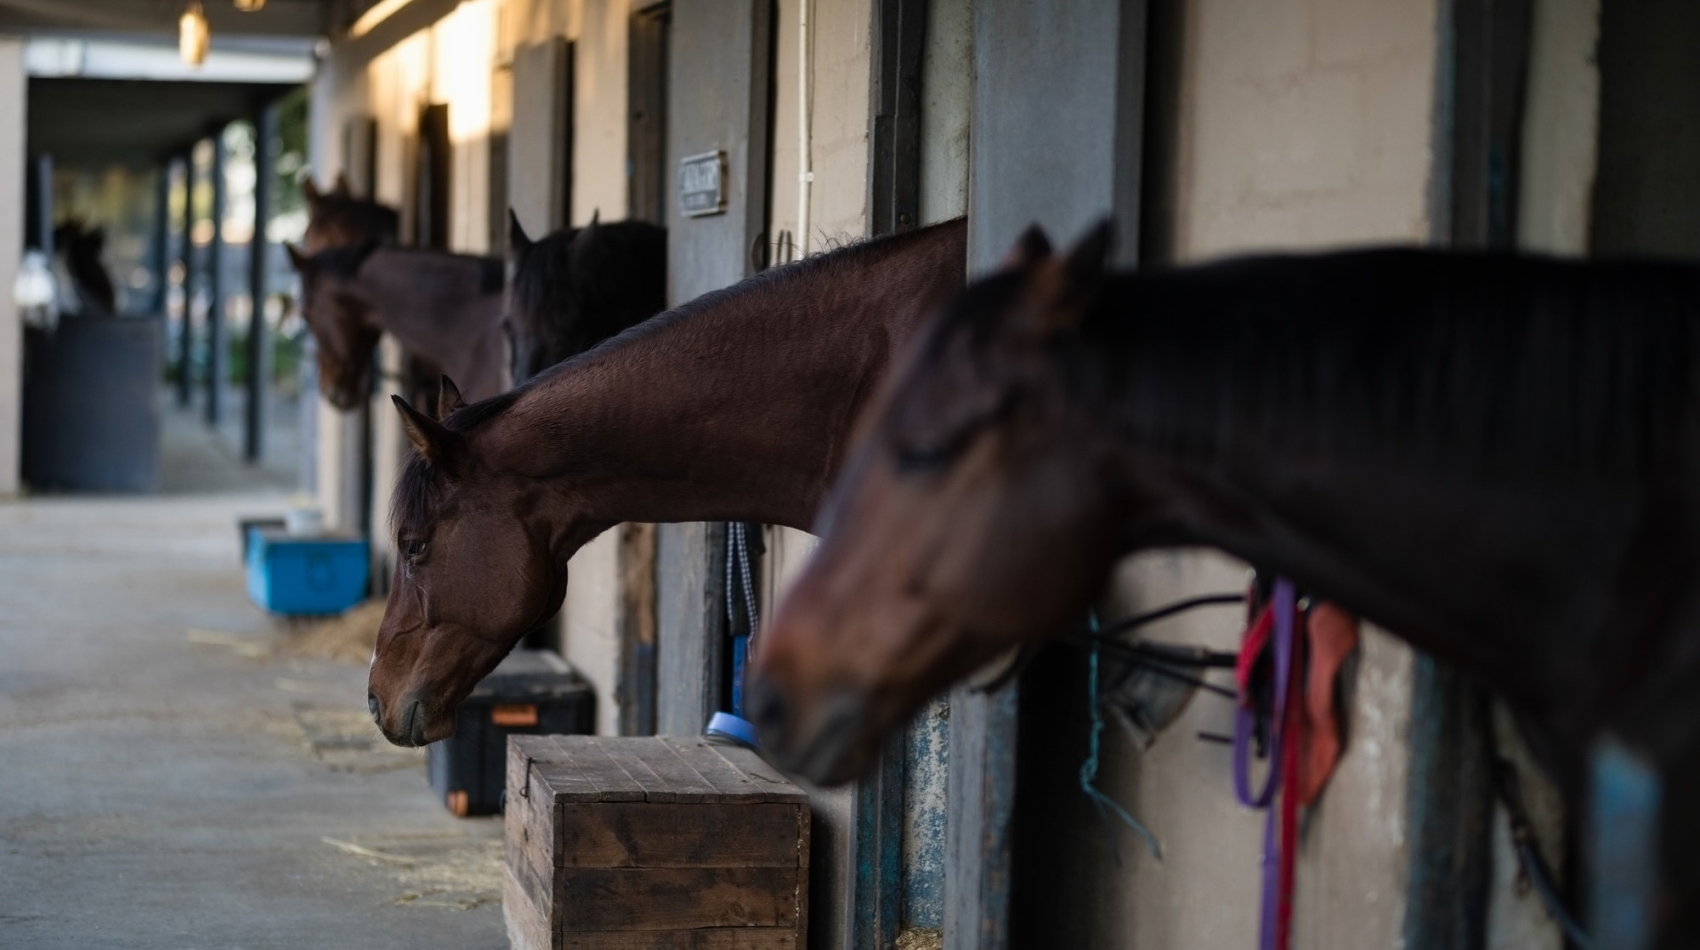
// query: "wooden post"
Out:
[259,369]
[691,610]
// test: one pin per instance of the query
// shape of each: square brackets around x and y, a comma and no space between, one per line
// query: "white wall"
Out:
[13,99]
[839,77]
[1560,128]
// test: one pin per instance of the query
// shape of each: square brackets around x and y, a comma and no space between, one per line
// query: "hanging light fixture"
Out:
[193,34]
[250,6]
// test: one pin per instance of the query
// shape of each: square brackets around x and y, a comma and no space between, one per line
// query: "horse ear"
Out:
[1089,258]
[1083,270]
[427,434]
[296,257]
[448,397]
[97,239]
[1031,248]
[341,190]
[518,240]
[310,191]
[584,243]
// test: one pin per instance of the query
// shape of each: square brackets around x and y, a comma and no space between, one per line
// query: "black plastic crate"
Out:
[533,692]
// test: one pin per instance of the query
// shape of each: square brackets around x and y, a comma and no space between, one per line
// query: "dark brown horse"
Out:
[336,218]
[573,289]
[1497,458]
[442,307]
[735,406]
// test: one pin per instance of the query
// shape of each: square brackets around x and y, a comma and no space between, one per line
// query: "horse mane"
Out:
[415,497]
[1485,362]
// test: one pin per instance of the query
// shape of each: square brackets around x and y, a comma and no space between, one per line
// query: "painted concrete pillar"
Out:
[259,362]
[216,362]
[14,88]
[186,338]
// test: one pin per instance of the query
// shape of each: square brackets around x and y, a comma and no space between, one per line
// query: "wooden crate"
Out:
[654,843]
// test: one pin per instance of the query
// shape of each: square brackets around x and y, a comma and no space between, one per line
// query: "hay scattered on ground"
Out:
[449,870]
[348,638]
[914,938]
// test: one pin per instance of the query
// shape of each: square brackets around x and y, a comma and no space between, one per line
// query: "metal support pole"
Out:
[161,256]
[215,288]
[186,339]
[259,364]
[44,205]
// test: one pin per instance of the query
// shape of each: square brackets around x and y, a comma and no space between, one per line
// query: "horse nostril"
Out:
[372,704]
[767,709]
[416,723]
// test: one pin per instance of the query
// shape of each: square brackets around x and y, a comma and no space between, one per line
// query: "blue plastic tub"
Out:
[294,574]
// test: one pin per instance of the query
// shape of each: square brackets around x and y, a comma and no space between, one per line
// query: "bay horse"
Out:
[336,218]
[736,406]
[441,307]
[1495,457]
[572,289]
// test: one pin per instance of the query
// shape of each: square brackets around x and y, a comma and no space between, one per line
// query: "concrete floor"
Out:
[171,778]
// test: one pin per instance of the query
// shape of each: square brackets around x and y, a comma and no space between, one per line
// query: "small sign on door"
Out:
[702,184]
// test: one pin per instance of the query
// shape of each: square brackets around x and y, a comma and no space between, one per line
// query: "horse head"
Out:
[475,571]
[956,531]
[339,319]
[572,289]
[537,297]
[336,218]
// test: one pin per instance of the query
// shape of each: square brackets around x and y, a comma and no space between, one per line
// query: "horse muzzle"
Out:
[413,727]
[828,746]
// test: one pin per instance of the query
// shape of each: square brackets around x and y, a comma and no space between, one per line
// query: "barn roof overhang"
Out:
[293,18]
[107,86]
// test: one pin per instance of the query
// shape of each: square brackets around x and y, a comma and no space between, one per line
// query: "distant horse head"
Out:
[336,218]
[573,289]
[955,530]
[82,247]
[474,574]
[340,321]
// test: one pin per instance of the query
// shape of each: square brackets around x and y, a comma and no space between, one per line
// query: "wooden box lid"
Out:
[671,769]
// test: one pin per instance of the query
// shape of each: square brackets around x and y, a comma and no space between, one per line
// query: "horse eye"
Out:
[927,457]
[416,550]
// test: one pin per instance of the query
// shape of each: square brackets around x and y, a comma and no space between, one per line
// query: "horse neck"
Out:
[1413,534]
[436,306]
[736,406]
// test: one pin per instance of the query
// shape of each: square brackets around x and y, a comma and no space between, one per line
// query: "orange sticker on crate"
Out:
[514,714]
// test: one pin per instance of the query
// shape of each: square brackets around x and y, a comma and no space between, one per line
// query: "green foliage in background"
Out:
[291,153]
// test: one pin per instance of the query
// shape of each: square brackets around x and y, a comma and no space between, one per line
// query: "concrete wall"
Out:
[13,100]
[839,76]
[1560,128]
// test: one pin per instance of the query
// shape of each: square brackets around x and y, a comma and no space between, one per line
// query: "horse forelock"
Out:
[414,504]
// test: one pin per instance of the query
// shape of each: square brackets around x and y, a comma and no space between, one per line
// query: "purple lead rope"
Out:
[1281,642]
